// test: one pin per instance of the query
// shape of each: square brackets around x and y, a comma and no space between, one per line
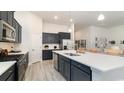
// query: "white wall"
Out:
[54,28]
[117,34]
[98,32]
[31,24]
[90,33]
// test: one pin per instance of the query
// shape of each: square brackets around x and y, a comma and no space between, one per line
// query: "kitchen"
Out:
[49,46]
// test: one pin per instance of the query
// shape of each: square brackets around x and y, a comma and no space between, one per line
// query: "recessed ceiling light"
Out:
[55,17]
[101,17]
[71,20]
[69,30]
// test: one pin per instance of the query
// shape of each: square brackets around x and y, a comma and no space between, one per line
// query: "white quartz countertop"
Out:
[4,66]
[96,61]
[19,53]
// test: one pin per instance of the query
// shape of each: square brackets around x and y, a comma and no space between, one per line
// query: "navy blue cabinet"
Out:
[47,54]
[10,16]
[7,16]
[63,35]
[18,29]
[64,67]
[50,38]
[80,72]
[74,71]
[4,15]
[79,75]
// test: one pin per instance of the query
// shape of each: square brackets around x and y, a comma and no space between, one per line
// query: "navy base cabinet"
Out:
[64,67]
[79,75]
[80,72]
[47,54]
[73,71]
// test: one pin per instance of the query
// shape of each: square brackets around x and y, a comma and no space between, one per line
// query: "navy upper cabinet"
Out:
[10,15]
[50,38]
[7,16]
[18,28]
[4,15]
[63,35]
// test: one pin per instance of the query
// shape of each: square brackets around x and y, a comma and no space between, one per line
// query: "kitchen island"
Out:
[103,67]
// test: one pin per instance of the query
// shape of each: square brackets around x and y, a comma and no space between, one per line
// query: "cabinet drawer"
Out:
[64,58]
[81,66]
[79,75]
[8,73]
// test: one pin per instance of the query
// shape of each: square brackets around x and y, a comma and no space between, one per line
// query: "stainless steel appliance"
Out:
[8,32]
[55,60]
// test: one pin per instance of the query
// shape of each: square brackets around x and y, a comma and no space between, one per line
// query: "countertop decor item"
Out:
[46,46]
[55,47]
[3,52]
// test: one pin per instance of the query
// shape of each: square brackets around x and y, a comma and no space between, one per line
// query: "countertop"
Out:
[4,66]
[51,49]
[19,53]
[100,62]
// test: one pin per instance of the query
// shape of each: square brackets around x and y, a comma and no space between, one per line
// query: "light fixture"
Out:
[101,17]
[71,20]
[69,30]
[55,17]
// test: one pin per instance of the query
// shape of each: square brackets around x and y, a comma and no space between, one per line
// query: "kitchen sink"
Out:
[72,54]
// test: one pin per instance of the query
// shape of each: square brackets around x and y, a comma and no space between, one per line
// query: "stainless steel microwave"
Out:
[7,32]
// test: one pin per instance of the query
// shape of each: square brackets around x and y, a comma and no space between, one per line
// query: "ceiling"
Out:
[83,18]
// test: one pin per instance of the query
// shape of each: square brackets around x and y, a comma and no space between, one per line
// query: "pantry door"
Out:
[36,48]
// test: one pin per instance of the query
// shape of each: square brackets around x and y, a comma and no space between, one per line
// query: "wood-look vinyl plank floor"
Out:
[42,71]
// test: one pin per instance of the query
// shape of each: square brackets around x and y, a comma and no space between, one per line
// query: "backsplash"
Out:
[6,45]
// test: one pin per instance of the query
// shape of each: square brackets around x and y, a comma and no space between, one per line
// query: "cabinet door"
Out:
[10,16]
[15,25]
[61,66]
[18,29]
[50,38]
[79,75]
[63,35]
[47,54]
[3,15]
[67,70]
[64,67]
[19,34]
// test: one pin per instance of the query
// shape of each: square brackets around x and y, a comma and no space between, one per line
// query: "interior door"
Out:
[36,48]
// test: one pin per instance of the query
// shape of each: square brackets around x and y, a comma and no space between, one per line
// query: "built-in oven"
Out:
[8,32]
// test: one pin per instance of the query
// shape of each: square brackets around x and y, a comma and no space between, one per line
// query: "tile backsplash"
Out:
[6,45]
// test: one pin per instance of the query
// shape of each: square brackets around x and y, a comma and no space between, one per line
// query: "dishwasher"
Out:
[55,61]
